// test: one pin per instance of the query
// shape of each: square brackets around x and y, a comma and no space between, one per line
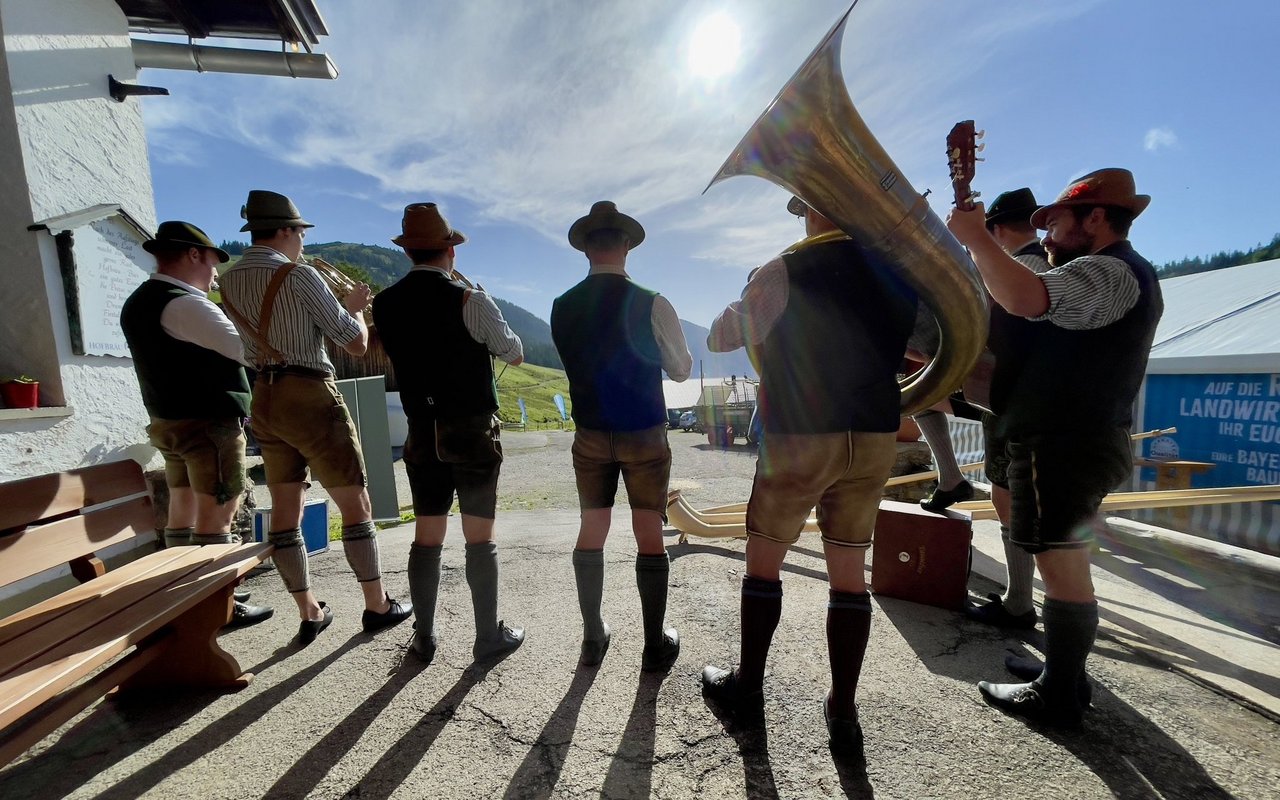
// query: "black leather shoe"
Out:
[721,686]
[498,644]
[941,499]
[1027,700]
[593,650]
[844,735]
[374,621]
[994,613]
[660,657]
[424,647]
[241,595]
[308,630]
[242,616]
[1028,669]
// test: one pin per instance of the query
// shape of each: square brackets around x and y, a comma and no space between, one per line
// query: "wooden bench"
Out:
[152,622]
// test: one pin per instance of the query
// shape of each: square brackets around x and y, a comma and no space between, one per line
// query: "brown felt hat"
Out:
[425,228]
[267,210]
[177,235]
[1105,187]
[604,215]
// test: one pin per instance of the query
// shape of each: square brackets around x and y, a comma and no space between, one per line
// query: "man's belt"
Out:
[273,370]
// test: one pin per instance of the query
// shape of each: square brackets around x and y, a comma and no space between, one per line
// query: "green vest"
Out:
[179,380]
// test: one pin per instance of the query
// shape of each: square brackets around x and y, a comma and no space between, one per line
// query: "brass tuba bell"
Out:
[812,142]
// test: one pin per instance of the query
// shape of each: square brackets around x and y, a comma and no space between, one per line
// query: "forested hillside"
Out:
[1235,258]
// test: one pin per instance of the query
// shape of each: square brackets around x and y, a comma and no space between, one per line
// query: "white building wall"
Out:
[79,148]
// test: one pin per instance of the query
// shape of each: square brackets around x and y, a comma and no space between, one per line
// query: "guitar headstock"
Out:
[962,153]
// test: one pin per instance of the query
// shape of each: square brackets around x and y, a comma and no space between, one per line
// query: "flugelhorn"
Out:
[812,142]
[338,281]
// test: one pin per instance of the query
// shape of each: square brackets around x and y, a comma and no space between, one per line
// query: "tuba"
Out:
[812,142]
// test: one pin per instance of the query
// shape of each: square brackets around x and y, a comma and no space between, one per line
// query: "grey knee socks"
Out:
[933,424]
[1021,566]
[177,537]
[361,547]
[290,558]
[588,572]
[482,578]
[652,572]
[424,586]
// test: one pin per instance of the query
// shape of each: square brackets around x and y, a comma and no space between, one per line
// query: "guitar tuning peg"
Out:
[980,147]
[979,159]
[980,134]
[974,196]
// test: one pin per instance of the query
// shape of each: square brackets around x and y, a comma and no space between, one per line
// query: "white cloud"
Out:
[1159,139]
[531,112]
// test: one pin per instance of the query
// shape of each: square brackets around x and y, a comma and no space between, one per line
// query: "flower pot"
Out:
[17,394]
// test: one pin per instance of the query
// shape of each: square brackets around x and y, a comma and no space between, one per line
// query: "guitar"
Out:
[962,155]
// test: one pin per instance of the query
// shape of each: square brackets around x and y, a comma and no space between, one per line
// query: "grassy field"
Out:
[537,386]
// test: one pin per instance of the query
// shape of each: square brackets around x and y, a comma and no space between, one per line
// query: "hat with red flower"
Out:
[1105,187]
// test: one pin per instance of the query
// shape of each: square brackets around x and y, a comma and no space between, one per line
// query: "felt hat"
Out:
[425,228]
[1105,187]
[177,235]
[1015,206]
[267,210]
[604,215]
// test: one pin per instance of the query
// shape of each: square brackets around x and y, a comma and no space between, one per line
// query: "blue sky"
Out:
[516,117]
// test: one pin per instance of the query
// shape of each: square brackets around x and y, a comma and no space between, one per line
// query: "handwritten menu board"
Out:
[110,264]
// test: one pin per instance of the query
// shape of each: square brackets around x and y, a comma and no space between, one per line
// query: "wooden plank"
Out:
[49,611]
[61,667]
[29,500]
[1129,501]
[33,550]
[81,622]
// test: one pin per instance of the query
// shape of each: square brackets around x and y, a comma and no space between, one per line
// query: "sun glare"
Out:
[713,48]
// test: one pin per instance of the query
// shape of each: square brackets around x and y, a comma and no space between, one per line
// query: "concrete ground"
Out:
[351,716]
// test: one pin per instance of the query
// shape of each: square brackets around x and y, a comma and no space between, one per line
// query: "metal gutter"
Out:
[200,58]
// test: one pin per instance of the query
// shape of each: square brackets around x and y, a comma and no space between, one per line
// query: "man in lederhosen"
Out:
[1063,399]
[189,361]
[439,335]
[284,310]
[616,338]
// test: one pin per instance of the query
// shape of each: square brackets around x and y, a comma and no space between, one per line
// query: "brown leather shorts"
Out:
[841,474]
[303,422]
[643,458]
[205,455]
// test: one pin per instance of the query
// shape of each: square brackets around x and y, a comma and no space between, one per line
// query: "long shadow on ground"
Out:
[537,775]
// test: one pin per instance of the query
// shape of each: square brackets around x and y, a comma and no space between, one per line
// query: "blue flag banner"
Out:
[559,401]
[524,414]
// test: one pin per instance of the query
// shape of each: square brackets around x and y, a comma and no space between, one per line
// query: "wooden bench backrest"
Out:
[43,524]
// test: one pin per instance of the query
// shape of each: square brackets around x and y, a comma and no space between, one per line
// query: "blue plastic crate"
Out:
[315,525]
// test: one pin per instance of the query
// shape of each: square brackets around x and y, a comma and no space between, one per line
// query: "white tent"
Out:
[1225,321]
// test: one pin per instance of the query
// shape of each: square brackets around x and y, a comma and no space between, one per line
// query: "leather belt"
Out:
[271,371]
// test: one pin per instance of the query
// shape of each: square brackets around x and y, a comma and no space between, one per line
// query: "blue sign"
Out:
[1231,421]
[524,414]
[559,401]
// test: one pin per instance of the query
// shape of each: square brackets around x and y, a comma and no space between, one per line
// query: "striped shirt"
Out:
[749,319]
[1089,292]
[305,310]
[483,320]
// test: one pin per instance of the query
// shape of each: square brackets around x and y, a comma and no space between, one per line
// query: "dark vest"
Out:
[179,380]
[830,362]
[1008,335]
[603,329]
[441,369]
[1050,379]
